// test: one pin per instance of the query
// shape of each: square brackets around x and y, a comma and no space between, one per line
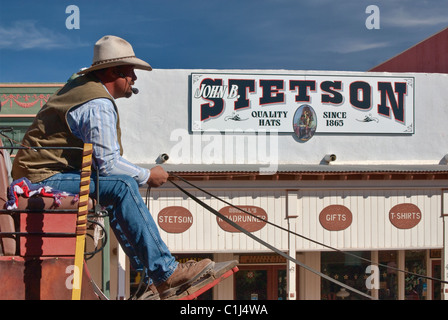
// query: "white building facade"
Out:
[354,162]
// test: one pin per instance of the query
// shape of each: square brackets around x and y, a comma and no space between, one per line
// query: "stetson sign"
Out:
[303,104]
[249,222]
[175,219]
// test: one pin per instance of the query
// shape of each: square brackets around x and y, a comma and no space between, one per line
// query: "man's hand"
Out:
[158,176]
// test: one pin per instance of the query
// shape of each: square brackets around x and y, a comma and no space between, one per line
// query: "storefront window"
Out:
[388,289]
[252,284]
[415,286]
[346,269]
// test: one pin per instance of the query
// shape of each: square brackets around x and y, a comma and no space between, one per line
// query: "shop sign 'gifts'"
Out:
[335,217]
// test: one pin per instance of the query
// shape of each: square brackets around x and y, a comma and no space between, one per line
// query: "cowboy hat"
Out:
[112,51]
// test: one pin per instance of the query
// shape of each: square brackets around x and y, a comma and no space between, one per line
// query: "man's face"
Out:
[125,80]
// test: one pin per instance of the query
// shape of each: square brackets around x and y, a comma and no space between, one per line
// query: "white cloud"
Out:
[419,15]
[406,22]
[26,34]
[353,46]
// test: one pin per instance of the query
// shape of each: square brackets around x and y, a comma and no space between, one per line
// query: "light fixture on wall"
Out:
[444,159]
[162,158]
[329,158]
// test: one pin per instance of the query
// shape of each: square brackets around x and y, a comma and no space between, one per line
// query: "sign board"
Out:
[244,220]
[405,215]
[175,219]
[302,104]
[261,258]
[335,217]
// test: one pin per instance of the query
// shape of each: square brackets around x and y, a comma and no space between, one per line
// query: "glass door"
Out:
[251,284]
[415,286]
[260,283]
[281,284]
[436,285]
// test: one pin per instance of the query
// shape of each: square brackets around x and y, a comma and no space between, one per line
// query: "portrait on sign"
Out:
[305,122]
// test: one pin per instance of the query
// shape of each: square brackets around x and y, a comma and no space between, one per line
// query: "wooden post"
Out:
[81,223]
[291,216]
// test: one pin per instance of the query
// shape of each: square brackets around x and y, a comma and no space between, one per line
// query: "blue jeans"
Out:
[130,220]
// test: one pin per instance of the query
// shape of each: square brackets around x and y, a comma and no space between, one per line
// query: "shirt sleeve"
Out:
[95,122]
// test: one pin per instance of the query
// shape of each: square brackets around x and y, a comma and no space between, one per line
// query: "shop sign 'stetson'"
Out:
[302,104]
[175,219]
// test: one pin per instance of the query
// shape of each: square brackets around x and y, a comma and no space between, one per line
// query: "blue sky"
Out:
[36,46]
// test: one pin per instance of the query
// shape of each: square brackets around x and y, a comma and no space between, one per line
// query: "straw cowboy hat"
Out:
[112,51]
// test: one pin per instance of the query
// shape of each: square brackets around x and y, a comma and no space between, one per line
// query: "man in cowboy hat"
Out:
[84,111]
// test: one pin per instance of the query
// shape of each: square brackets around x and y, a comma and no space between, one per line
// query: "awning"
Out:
[308,172]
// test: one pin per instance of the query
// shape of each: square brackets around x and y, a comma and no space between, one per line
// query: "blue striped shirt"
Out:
[95,122]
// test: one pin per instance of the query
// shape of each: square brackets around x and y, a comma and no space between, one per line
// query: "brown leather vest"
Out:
[50,129]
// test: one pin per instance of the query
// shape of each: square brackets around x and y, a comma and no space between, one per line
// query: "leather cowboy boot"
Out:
[184,275]
[150,294]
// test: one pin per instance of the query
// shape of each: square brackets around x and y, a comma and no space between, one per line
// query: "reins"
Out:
[264,243]
[269,246]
